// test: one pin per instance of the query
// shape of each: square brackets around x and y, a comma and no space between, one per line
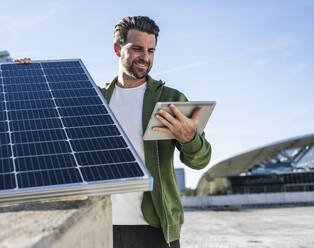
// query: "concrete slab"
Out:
[79,222]
[259,228]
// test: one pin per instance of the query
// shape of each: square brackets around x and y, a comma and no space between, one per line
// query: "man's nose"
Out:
[144,56]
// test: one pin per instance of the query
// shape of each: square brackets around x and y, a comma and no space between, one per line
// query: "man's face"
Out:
[137,55]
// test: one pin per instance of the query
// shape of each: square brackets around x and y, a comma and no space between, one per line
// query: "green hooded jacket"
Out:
[162,206]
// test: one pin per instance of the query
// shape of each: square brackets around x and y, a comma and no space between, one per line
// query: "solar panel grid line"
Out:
[89,75]
[10,152]
[118,124]
[63,126]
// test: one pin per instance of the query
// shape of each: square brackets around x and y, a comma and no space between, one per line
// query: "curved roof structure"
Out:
[245,161]
[5,56]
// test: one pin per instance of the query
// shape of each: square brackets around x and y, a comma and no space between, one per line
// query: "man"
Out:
[155,218]
[152,219]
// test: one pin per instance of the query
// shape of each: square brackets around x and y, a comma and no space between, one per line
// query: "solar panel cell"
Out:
[98,144]
[2,106]
[67,85]
[96,173]
[15,67]
[3,126]
[77,101]
[105,157]
[33,114]
[22,73]
[24,80]
[3,116]
[4,138]
[54,161]
[48,177]
[31,95]
[35,124]
[60,64]
[83,110]
[35,149]
[83,121]
[66,78]
[7,181]
[65,70]
[5,151]
[31,104]
[38,136]
[6,165]
[73,93]
[96,131]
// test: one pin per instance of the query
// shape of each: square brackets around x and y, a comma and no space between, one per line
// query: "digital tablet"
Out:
[187,109]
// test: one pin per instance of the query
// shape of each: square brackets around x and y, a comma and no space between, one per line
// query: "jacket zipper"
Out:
[159,172]
[162,198]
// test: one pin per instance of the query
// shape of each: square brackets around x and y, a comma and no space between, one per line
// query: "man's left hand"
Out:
[180,126]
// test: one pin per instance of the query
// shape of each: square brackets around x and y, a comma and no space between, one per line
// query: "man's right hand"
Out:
[25,61]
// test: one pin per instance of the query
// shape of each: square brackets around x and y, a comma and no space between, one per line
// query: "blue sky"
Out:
[255,58]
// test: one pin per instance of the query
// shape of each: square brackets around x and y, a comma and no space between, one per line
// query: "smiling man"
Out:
[152,219]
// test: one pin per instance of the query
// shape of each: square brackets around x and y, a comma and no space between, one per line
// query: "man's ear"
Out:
[117,49]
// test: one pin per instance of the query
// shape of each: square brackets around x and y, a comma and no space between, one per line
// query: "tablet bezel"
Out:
[186,108]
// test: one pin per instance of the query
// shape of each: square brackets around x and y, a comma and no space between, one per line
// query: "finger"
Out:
[163,120]
[177,112]
[162,129]
[26,61]
[166,116]
[196,113]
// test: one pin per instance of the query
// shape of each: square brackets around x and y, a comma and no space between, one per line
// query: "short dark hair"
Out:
[140,23]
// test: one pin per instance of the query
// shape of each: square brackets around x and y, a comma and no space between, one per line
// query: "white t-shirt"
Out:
[127,105]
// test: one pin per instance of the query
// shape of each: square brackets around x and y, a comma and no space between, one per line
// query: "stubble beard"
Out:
[135,72]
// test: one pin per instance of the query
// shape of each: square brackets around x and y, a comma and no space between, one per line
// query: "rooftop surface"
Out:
[246,228]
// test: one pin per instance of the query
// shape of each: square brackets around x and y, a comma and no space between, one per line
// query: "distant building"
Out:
[284,166]
[5,57]
[180,178]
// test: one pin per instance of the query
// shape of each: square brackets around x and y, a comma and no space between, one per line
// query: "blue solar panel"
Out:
[56,131]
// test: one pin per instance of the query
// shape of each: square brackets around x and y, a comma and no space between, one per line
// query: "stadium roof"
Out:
[5,56]
[245,161]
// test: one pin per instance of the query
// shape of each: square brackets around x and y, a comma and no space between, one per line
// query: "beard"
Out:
[136,72]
